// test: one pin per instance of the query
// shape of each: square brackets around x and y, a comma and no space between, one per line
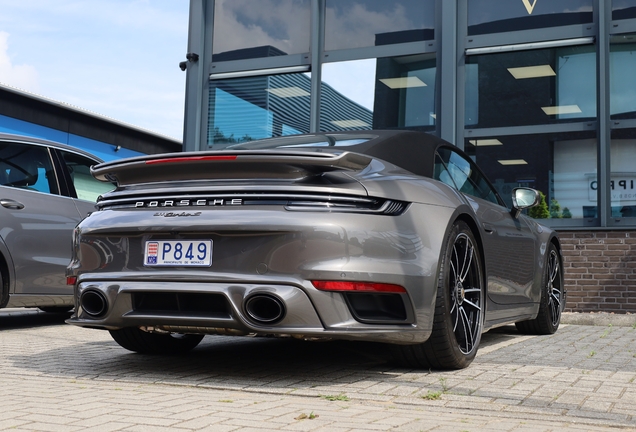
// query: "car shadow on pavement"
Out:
[26,318]
[219,359]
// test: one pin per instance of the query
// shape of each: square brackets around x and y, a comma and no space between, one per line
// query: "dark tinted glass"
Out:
[465,175]
[623,76]
[562,166]
[496,16]
[86,186]
[27,167]
[532,87]
[623,181]
[379,93]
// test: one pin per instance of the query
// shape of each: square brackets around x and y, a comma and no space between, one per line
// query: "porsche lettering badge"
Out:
[189,203]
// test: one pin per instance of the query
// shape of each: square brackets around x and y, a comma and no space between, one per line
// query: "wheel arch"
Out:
[4,281]
[7,273]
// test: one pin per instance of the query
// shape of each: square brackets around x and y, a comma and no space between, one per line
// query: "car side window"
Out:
[441,173]
[27,167]
[465,175]
[87,187]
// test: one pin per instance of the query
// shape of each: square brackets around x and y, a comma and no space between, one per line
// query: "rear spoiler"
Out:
[241,164]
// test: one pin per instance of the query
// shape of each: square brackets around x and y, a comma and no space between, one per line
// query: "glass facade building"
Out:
[541,93]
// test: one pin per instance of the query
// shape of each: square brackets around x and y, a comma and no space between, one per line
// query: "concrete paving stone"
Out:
[596,405]
[613,417]
[149,428]
[13,423]
[362,426]
[332,428]
[393,421]
[96,421]
[45,366]
[108,427]
[201,422]
[49,427]
[220,428]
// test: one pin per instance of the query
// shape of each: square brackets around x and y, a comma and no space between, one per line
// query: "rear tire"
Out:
[143,342]
[552,298]
[459,308]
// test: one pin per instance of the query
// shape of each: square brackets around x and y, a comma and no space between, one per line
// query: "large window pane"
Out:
[496,16]
[367,23]
[623,76]
[623,177]
[623,9]
[379,93]
[521,88]
[260,28]
[244,109]
[561,166]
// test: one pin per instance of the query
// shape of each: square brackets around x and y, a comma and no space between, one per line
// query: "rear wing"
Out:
[237,164]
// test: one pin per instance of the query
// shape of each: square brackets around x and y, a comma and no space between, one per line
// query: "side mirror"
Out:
[523,198]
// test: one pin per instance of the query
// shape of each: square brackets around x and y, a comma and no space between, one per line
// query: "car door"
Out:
[37,221]
[509,243]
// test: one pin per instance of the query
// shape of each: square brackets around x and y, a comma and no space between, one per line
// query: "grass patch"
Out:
[309,416]
[340,397]
[432,395]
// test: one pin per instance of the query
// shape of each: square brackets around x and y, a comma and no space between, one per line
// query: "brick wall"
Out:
[600,271]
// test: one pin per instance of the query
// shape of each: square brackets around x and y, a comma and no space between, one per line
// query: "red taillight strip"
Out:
[191,159]
[357,286]
[71,280]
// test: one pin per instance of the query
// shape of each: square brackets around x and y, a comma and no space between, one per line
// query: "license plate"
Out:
[182,253]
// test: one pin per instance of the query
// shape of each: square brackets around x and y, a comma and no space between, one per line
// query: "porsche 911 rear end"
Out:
[255,242]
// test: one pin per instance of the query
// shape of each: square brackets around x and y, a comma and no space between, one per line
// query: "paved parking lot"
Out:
[55,376]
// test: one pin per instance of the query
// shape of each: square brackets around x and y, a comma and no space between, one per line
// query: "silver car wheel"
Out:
[466,293]
[554,287]
[459,307]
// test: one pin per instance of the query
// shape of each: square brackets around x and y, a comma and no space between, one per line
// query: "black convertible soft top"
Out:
[413,151]
[293,156]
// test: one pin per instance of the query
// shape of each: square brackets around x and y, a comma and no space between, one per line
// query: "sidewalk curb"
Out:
[599,319]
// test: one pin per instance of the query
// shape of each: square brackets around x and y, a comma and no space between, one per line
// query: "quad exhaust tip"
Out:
[265,309]
[94,303]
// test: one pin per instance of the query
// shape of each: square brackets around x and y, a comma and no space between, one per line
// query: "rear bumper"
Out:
[220,308]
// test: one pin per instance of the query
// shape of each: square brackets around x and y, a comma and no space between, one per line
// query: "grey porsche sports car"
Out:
[385,236]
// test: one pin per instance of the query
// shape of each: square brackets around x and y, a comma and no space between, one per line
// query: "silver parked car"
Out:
[45,189]
[384,236]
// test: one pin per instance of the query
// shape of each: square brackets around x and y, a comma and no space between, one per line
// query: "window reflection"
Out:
[245,109]
[622,78]
[367,23]
[623,173]
[562,166]
[623,9]
[276,27]
[379,93]
[531,87]
[490,16]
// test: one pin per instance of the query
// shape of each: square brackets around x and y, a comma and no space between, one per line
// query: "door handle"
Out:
[11,204]
[489,228]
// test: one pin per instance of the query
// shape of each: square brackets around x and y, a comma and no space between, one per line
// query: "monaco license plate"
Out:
[181,253]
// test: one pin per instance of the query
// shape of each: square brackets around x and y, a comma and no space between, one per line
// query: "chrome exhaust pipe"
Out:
[265,309]
[94,303]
